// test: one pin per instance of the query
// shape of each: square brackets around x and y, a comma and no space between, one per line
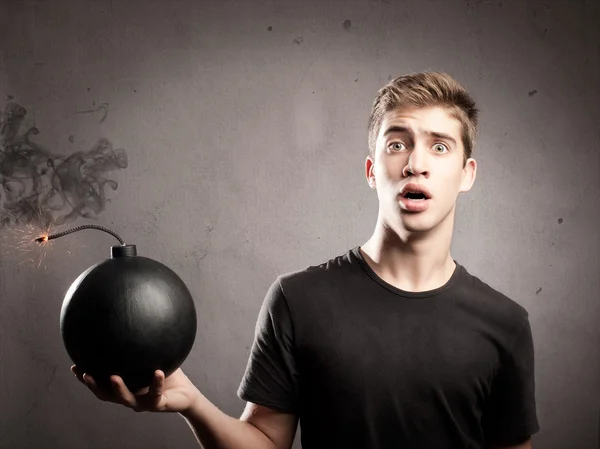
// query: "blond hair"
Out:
[426,89]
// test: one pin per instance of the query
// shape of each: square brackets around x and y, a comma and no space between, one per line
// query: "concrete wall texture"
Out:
[231,138]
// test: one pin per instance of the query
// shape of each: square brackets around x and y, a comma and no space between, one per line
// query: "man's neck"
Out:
[413,263]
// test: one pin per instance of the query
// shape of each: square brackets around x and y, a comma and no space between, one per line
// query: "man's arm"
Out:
[279,427]
[258,427]
[271,378]
[510,418]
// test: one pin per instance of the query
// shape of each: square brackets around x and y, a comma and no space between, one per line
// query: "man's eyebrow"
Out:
[397,129]
[441,136]
[404,129]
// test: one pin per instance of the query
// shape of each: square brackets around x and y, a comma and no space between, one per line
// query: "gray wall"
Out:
[245,148]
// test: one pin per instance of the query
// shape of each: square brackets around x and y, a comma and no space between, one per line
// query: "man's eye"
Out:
[397,146]
[440,145]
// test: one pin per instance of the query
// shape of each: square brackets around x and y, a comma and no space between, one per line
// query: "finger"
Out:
[90,382]
[158,384]
[141,391]
[125,396]
[77,374]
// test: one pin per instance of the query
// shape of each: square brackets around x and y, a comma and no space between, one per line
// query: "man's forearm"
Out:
[216,430]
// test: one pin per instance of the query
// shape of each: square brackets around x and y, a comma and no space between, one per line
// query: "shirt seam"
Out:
[405,294]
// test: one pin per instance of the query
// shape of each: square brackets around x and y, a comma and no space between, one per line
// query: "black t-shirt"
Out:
[367,365]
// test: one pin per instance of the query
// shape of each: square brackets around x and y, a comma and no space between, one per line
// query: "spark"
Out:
[31,243]
[21,241]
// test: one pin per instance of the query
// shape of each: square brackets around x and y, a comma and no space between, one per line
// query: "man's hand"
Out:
[175,393]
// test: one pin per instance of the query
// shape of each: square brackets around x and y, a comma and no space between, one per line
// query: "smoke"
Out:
[40,188]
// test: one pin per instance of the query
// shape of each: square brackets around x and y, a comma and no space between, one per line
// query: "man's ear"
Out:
[469,175]
[370,171]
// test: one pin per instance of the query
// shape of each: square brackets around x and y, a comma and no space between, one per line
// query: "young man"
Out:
[393,344]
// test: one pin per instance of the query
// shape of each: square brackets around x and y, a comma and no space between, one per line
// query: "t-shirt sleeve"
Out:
[511,417]
[271,377]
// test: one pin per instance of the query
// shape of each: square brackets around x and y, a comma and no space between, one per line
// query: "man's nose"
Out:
[417,163]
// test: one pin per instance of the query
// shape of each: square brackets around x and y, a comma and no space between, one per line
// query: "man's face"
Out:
[421,146]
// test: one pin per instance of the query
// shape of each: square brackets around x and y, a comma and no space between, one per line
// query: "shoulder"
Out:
[292,292]
[478,296]
[322,272]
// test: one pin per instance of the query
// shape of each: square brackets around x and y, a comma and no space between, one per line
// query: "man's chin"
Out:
[415,222]
[416,228]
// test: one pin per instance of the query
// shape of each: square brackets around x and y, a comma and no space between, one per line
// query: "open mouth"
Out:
[415,196]
[415,199]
